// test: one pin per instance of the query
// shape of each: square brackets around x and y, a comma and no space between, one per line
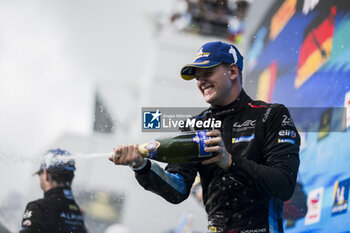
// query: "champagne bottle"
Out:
[185,147]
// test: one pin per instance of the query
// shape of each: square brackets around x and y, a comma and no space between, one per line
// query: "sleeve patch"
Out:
[26,223]
[287,133]
[286,140]
[27,214]
[287,120]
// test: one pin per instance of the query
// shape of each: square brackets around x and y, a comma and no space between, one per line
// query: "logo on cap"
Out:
[215,53]
[233,52]
[201,54]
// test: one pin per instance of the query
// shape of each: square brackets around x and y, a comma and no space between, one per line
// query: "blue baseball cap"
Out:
[57,160]
[212,54]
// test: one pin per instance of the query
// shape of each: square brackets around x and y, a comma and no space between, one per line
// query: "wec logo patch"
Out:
[247,123]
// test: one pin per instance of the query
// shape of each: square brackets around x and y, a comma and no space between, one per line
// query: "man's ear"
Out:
[233,71]
[46,175]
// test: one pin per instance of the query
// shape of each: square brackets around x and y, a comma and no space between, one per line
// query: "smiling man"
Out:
[257,148]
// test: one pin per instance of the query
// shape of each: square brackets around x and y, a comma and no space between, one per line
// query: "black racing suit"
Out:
[56,212]
[249,195]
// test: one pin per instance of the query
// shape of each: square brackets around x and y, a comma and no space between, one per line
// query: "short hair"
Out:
[61,177]
[240,76]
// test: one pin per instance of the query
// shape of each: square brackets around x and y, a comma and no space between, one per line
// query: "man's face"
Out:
[215,84]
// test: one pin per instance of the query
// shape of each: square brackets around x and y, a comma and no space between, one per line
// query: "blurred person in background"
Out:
[57,211]
[223,18]
[257,151]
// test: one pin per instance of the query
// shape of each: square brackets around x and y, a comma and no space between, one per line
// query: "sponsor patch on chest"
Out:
[243,126]
[243,139]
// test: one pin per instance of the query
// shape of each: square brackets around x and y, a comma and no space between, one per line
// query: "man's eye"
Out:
[209,73]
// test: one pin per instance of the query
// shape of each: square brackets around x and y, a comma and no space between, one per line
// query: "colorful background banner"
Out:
[300,56]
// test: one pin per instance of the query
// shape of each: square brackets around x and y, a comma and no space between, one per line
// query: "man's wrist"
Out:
[141,166]
[229,161]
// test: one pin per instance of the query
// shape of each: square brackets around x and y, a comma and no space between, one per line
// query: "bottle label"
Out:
[152,148]
[200,138]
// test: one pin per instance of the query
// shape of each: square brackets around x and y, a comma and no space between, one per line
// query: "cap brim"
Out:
[37,172]
[187,72]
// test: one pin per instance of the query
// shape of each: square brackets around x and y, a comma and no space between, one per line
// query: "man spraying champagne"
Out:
[257,149]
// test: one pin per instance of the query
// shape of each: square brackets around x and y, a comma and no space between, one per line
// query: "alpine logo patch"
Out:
[286,140]
[243,139]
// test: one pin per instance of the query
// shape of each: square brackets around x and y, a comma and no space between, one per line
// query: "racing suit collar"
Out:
[55,191]
[235,106]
